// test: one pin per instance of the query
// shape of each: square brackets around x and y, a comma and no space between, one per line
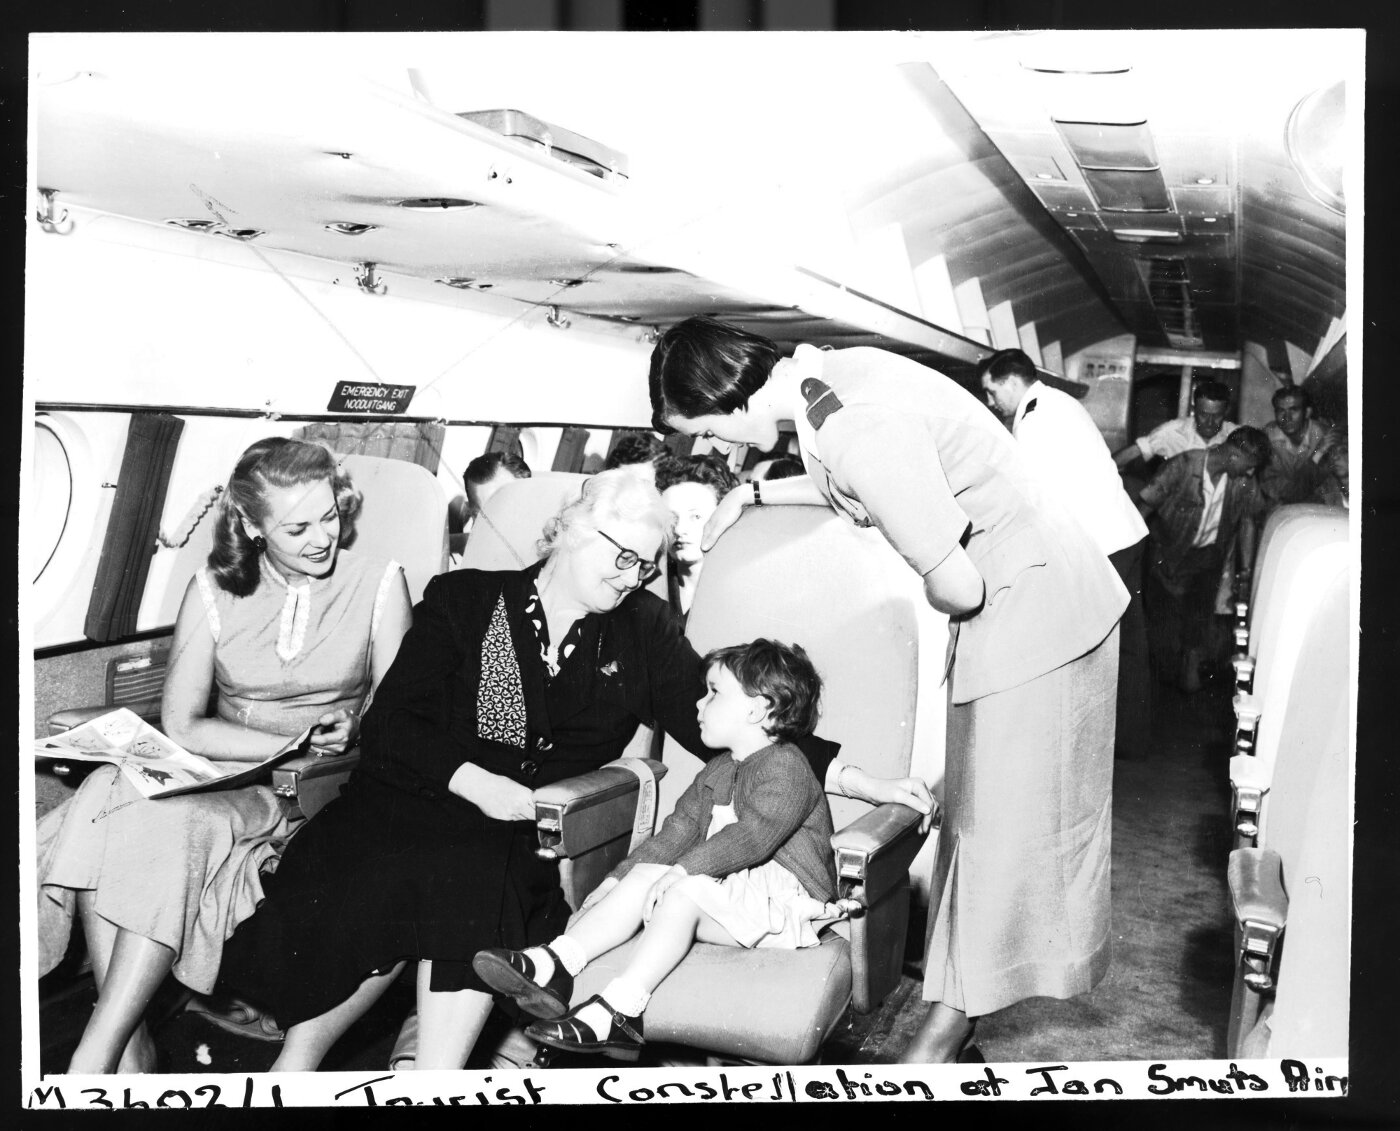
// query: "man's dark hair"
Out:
[1292,393]
[486,467]
[1252,442]
[1216,391]
[1008,363]
[784,467]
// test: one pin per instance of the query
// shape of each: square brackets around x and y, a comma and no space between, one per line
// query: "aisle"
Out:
[1167,993]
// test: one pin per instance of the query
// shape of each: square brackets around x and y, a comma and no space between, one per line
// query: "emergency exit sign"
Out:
[361,396]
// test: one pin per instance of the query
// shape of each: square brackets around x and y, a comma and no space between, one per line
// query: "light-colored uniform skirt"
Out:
[1021,880]
[183,872]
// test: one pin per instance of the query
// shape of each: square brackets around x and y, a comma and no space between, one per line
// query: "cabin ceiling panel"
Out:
[1243,156]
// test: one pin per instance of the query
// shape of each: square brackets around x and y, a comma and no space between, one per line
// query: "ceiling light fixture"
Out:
[1205,180]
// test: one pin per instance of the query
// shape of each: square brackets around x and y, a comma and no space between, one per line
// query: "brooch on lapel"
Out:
[609,669]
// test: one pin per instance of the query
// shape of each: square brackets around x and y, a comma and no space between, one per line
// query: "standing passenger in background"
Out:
[1065,447]
[1204,428]
[1208,503]
[1298,466]
[692,489]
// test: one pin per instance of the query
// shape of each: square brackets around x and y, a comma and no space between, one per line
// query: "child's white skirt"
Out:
[765,906]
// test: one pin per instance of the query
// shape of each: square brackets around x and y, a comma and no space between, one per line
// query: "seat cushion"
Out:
[768,1005]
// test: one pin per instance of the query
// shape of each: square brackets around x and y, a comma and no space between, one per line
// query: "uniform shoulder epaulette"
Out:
[821,401]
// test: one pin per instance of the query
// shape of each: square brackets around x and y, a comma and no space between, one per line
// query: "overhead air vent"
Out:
[350,228]
[1169,287]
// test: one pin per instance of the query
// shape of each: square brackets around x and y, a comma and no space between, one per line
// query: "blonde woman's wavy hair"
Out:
[624,494]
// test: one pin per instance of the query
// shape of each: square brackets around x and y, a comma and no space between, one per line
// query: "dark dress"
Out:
[398,867]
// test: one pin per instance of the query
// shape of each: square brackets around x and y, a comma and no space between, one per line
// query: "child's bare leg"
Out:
[676,922]
[618,915]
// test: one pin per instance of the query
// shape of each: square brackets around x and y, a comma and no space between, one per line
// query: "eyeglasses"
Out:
[626,559]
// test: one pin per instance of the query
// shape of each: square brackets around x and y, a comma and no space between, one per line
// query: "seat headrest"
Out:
[506,535]
[801,575]
[404,517]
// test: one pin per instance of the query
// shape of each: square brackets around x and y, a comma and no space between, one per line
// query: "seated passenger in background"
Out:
[691,488]
[1208,503]
[1204,428]
[634,448]
[483,477]
[296,633]
[1298,467]
[486,475]
[744,860]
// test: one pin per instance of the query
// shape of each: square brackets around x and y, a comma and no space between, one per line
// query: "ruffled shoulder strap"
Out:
[206,592]
[391,570]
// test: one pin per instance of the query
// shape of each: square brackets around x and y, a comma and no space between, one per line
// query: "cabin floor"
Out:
[1166,995]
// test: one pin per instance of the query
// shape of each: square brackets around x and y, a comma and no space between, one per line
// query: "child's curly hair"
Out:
[781,674]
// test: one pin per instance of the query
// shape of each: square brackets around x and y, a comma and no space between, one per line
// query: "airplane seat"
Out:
[1289,531]
[1300,838]
[1291,889]
[1301,544]
[403,516]
[801,575]
[1308,1012]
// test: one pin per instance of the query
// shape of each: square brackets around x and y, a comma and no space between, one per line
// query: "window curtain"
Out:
[412,441]
[569,455]
[132,529]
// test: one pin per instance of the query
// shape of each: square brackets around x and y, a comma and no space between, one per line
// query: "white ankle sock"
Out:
[626,995]
[570,953]
[544,965]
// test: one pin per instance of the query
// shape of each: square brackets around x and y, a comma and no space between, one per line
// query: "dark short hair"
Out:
[707,470]
[1008,363]
[1252,442]
[632,447]
[1216,391]
[784,467]
[704,367]
[1292,393]
[486,467]
[783,675]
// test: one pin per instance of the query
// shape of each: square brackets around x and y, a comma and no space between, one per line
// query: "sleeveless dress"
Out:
[185,871]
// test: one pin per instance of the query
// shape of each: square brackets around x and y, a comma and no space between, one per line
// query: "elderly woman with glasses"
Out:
[508,681]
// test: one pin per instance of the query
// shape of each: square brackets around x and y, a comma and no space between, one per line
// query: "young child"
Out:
[744,860]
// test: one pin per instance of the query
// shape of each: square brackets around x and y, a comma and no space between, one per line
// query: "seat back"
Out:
[1290,536]
[404,517]
[1304,739]
[507,532]
[1311,1007]
[802,575]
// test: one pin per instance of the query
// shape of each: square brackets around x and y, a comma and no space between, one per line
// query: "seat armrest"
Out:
[66,720]
[1255,877]
[580,814]
[310,782]
[874,852]
[873,855]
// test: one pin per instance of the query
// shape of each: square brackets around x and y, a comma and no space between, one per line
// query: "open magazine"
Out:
[155,765]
